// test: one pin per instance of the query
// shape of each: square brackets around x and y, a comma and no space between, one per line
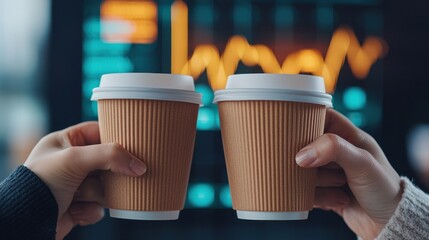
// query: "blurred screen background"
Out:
[372,54]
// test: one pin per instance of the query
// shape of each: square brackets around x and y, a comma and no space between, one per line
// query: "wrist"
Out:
[394,205]
[396,200]
[409,218]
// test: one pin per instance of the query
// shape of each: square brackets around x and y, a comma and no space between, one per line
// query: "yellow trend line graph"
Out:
[343,45]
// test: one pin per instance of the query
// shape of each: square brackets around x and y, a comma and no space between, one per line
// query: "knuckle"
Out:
[334,141]
[71,152]
[69,157]
[364,139]
[367,162]
[49,138]
[114,149]
[365,154]
[367,157]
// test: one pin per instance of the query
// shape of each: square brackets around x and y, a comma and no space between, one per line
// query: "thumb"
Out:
[355,162]
[373,185]
[110,156]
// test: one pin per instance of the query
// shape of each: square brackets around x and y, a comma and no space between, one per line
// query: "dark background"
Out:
[405,102]
[405,83]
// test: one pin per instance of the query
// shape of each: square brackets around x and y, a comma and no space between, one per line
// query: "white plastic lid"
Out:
[277,81]
[154,86]
[276,87]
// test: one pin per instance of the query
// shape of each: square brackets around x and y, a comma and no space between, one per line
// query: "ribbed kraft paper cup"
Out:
[261,139]
[262,130]
[161,132]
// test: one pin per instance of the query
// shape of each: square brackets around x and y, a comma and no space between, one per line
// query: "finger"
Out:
[329,198]
[337,210]
[330,178]
[111,156]
[331,165]
[356,162]
[86,213]
[338,124]
[82,134]
[64,225]
[90,190]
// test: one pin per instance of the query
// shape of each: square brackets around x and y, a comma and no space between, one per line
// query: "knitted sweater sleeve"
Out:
[28,210]
[411,218]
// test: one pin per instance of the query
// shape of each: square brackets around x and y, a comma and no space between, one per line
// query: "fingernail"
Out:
[306,156]
[137,167]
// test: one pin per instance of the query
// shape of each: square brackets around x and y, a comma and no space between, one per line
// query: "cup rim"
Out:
[145,85]
[252,94]
[275,87]
[144,93]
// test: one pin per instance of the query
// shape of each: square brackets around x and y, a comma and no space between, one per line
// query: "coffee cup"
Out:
[153,116]
[265,120]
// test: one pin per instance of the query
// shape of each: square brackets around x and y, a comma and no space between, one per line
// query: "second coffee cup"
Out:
[265,120]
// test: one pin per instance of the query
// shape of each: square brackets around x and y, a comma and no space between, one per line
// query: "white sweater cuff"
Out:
[411,218]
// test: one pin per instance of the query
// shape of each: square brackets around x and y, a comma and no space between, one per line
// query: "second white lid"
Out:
[275,87]
[298,82]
